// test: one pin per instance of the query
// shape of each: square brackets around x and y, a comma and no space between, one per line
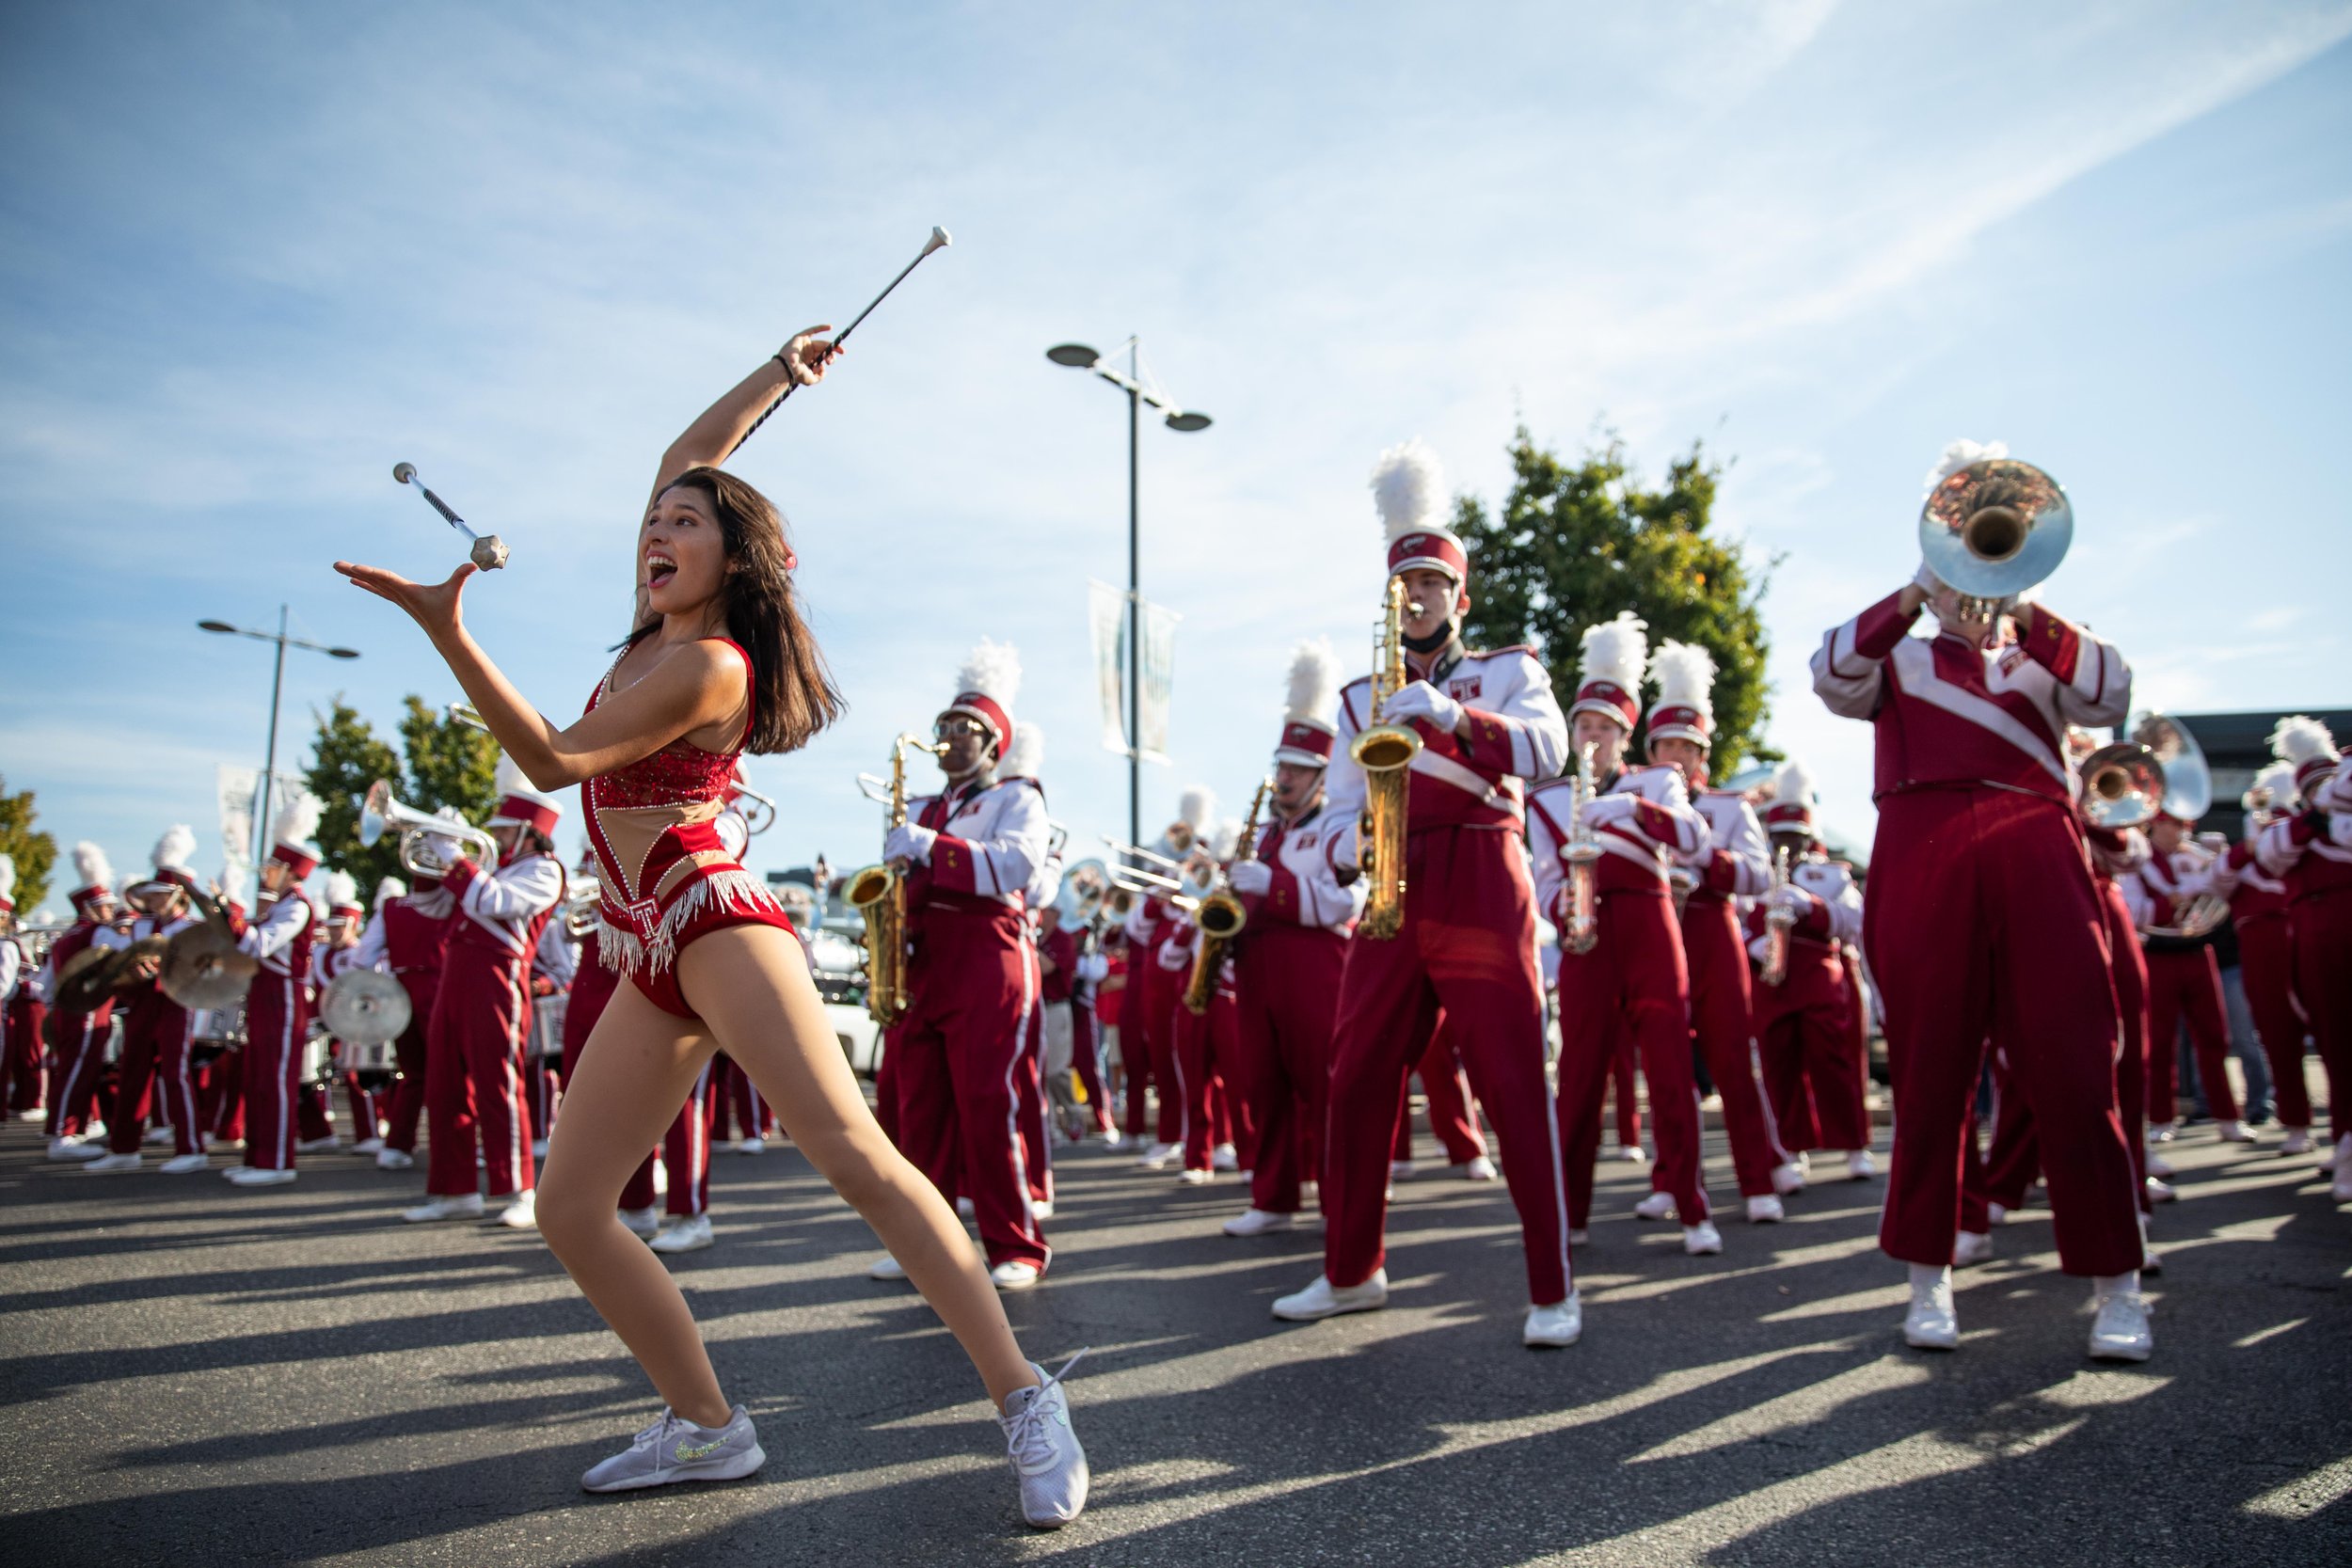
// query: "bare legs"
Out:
[753,988]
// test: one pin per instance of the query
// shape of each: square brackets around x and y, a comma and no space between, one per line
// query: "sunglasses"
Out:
[950,728]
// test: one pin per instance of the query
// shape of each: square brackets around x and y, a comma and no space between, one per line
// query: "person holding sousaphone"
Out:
[1981,917]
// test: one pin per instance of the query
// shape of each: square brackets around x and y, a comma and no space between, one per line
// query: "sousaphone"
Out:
[2188,782]
[1994,530]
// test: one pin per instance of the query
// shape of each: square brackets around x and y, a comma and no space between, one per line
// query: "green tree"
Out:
[345,758]
[36,852]
[1578,541]
[450,764]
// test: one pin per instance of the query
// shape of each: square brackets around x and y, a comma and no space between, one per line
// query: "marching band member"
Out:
[473,1094]
[1024,754]
[155,1032]
[1804,1024]
[1147,1012]
[277,1006]
[1735,864]
[405,938]
[2183,979]
[346,923]
[1292,950]
[1205,1043]
[1630,990]
[1487,723]
[1452,1117]
[971,851]
[220,1090]
[554,964]
[81,1036]
[24,1076]
[1982,903]
[2311,854]
[1093,1010]
[2266,945]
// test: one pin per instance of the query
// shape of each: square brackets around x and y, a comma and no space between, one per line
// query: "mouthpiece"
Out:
[403,473]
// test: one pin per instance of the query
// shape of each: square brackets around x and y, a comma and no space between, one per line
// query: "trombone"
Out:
[380,813]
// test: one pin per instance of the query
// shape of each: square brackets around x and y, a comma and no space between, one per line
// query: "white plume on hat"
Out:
[91,865]
[2300,738]
[175,849]
[2279,779]
[1313,687]
[1793,785]
[1685,674]
[1195,807]
[507,778]
[1616,650]
[1226,839]
[298,820]
[1409,488]
[992,669]
[341,888]
[7,877]
[1957,456]
[390,888]
[1027,754]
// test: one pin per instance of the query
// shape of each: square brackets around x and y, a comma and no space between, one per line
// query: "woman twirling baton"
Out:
[718,661]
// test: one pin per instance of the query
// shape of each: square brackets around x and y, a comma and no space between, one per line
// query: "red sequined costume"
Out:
[667,878]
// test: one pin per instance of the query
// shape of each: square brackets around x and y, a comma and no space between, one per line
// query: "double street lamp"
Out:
[1140,388]
[277,685]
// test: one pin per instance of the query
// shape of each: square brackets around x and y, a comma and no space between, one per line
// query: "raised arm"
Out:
[712,438]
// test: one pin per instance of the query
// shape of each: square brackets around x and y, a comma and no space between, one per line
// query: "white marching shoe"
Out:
[1042,1208]
[1015,1274]
[645,1222]
[1157,1156]
[887,1267]
[181,1165]
[1789,1179]
[1324,1299]
[2121,1331]
[1995,1215]
[523,1212]
[157,1134]
[1632,1154]
[1860,1166]
[368,1145]
[71,1148]
[2159,1164]
[2235,1132]
[1764,1210]
[2338,1154]
[1110,1137]
[1932,1324]
[328,1145]
[446,1206]
[1577,1238]
[116,1162]
[2160,1132]
[253,1176]
[2297,1141]
[750,1146]
[1702,1240]
[1400,1169]
[1477,1168]
[1971,1247]
[2159,1191]
[1192,1177]
[2151,1261]
[1657,1206]
[393,1159]
[1561,1323]
[2341,1188]
[1257,1222]
[691,1233]
[1224,1157]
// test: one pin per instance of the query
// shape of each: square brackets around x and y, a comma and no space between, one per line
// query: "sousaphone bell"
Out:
[2123,785]
[1994,530]
[2187,792]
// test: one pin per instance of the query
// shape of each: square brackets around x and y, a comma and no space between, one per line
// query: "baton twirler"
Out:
[937,242]
[489,551]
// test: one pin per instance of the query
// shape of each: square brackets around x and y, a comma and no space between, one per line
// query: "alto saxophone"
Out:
[1221,915]
[878,893]
[1779,920]
[1582,855]
[1385,753]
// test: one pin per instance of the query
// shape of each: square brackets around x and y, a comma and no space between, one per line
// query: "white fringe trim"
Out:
[734,889]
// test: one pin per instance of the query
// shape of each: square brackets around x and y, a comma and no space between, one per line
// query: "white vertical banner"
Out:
[1159,680]
[1106,622]
[240,791]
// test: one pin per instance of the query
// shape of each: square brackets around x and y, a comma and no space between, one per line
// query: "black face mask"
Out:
[1434,640]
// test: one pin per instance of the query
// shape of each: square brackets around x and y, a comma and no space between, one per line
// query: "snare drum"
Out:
[378,1059]
[546,1023]
[317,1065]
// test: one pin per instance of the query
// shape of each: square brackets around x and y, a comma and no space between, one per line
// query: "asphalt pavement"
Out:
[193,1373]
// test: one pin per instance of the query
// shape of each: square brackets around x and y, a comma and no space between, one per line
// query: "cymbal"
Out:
[365,1006]
[203,967]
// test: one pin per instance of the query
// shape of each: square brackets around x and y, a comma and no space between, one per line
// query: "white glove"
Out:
[911,844]
[1420,699]
[2218,843]
[1926,581]
[449,852]
[1094,969]
[1795,900]
[1175,955]
[1251,878]
[1608,809]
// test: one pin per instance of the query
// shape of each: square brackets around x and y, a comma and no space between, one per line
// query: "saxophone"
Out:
[1385,753]
[878,893]
[1778,921]
[1583,851]
[1221,916]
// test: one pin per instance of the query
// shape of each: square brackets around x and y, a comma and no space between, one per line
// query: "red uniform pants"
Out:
[1205,1047]
[2323,977]
[1982,919]
[1453,1119]
[1029,1081]
[1468,947]
[222,1103]
[2129,970]
[277,1022]
[1628,1099]
[2186,985]
[1721,1024]
[81,1062]
[24,1076]
[958,1051]
[2266,952]
[1805,1041]
[405,1100]
[473,1075]
[1286,1000]
[1147,1032]
[155,1036]
[1631,987]
[1085,1056]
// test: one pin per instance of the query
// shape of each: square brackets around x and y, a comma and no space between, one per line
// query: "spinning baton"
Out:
[489,551]
[937,242]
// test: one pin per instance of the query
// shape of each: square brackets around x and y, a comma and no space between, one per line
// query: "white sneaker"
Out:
[459,1206]
[2159,1165]
[1764,1210]
[1157,1156]
[887,1267]
[1324,1299]
[1014,1273]
[2298,1141]
[116,1162]
[1971,1247]
[1400,1169]
[1804,1163]
[523,1213]
[1789,1180]
[1995,1215]
[327,1145]
[253,1176]
[691,1234]
[1046,1458]
[2121,1331]
[1561,1323]
[1860,1166]
[1655,1207]
[1477,1168]
[158,1134]
[1257,1222]
[71,1148]
[1932,1324]
[1042,1208]
[964,1208]
[2235,1132]
[2159,1191]
[752,1145]
[1577,1238]
[675,1450]
[2337,1153]
[645,1222]
[538,1148]
[1223,1157]
[1111,1137]
[1702,1240]
[1632,1154]
[1191,1178]
[2341,1188]
[393,1159]
[2160,1132]
[368,1145]
[181,1165]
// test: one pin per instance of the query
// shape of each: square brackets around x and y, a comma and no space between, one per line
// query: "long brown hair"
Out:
[792,692]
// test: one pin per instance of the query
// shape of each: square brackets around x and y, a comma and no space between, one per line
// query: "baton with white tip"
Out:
[489,551]
[938,240]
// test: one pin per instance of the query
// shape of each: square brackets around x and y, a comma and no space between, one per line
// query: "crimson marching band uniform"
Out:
[2266,946]
[278,1005]
[1814,1064]
[2311,854]
[2184,984]
[21,1011]
[81,1036]
[156,1030]
[406,937]
[1147,1033]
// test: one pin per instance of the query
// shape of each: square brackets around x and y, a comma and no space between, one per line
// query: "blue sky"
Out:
[253,254]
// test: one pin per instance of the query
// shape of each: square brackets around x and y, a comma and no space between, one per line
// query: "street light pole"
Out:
[277,689]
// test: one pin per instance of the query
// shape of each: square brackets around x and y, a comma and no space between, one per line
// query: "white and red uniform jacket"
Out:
[281,936]
[2311,851]
[404,935]
[1643,821]
[2252,892]
[1736,861]
[1830,915]
[504,910]
[327,962]
[1947,712]
[2154,890]
[1518,734]
[556,960]
[1306,890]
[12,969]
[992,841]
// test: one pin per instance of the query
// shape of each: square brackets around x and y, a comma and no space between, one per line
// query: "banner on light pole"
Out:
[1158,688]
[1107,622]
[240,792]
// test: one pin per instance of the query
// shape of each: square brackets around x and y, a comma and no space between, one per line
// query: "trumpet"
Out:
[1136,852]
[1386,753]
[380,813]
[1779,922]
[1221,915]
[1583,853]
[583,901]
[878,893]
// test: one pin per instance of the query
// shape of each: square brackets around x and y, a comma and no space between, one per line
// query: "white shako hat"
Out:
[2278,778]
[1024,755]
[1791,809]
[986,685]
[389,889]
[1685,708]
[1310,699]
[1224,838]
[2305,742]
[1195,807]
[171,859]
[1409,488]
[520,803]
[1957,456]
[1610,681]
[97,874]
[293,832]
[7,883]
[342,896]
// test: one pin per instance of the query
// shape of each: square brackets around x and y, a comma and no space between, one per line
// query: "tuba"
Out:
[1994,530]
[2188,782]
[379,813]
[2123,785]
[1221,915]
[1582,855]
[878,893]
[1386,753]
[1779,922]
